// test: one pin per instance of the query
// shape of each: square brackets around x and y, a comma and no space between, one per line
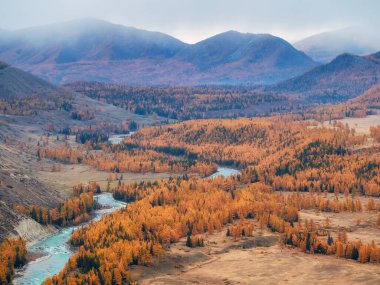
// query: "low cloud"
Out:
[193,20]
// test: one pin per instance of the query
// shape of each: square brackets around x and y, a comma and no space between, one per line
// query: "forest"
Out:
[165,211]
[288,156]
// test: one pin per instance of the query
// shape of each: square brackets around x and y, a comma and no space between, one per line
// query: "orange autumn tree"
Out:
[12,254]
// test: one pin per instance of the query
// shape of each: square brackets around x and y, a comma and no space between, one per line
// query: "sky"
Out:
[194,20]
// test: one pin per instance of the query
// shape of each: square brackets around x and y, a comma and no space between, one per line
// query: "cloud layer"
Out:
[193,20]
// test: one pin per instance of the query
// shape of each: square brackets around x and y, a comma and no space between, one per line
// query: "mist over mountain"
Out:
[324,47]
[84,40]
[97,50]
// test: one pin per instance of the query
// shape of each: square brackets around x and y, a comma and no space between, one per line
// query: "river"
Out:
[56,247]
[116,139]
[225,172]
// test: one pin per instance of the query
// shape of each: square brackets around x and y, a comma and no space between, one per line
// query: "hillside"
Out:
[94,50]
[29,109]
[20,94]
[370,98]
[17,83]
[347,76]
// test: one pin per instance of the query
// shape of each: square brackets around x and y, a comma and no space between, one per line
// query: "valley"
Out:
[129,156]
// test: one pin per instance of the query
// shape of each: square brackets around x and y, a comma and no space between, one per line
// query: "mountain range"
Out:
[97,50]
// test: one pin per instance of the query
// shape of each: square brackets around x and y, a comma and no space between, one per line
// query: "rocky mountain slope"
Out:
[29,108]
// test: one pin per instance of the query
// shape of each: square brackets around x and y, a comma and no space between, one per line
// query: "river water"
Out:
[116,139]
[225,172]
[56,247]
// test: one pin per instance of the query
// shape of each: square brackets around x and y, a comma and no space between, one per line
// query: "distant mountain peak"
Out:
[347,76]
[344,58]
[375,56]
[3,65]
[236,34]
[261,49]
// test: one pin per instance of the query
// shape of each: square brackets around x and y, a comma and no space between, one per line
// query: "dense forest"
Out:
[291,156]
[184,103]
[366,104]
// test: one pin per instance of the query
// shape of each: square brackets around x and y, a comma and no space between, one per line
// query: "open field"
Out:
[361,125]
[358,225]
[70,175]
[256,260]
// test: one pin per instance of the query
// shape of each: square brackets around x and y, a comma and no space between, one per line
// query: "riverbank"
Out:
[116,139]
[33,232]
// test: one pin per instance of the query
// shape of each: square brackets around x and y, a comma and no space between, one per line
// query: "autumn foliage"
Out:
[282,152]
